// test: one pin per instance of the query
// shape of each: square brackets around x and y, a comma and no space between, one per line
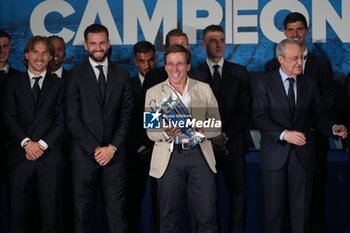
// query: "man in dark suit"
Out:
[98,106]
[138,144]
[58,59]
[286,106]
[158,75]
[233,95]
[5,71]
[319,69]
[33,117]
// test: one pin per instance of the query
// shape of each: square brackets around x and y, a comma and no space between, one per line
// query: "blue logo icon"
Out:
[151,120]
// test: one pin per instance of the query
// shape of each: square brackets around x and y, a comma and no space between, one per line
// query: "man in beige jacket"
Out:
[176,165]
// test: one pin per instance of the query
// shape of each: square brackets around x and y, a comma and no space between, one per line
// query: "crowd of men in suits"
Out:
[69,136]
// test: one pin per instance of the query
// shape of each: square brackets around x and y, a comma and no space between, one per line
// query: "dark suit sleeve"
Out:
[57,129]
[74,123]
[121,130]
[326,86]
[241,116]
[11,122]
[264,123]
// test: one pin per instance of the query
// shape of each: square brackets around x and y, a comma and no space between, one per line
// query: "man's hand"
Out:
[341,131]
[172,131]
[104,154]
[219,145]
[295,137]
[33,150]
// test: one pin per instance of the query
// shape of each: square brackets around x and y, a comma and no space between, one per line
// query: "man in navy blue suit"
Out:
[319,69]
[33,117]
[98,107]
[286,106]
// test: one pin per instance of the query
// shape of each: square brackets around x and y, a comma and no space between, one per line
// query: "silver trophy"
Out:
[174,112]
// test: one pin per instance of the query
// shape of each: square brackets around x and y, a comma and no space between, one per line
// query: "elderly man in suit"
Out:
[98,105]
[319,69]
[230,84]
[179,168]
[286,106]
[33,117]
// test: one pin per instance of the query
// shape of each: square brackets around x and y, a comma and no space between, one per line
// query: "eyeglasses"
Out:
[295,58]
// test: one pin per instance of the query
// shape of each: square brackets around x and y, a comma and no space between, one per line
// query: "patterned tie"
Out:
[291,95]
[216,84]
[36,89]
[102,81]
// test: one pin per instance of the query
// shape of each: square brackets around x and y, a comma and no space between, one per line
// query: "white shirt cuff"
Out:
[24,140]
[43,144]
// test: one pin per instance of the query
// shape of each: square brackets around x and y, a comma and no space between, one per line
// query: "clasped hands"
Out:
[103,155]
[33,150]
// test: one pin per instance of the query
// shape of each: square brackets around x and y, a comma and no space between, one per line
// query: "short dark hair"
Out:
[212,28]
[177,49]
[3,33]
[30,46]
[143,47]
[294,17]
[95,28]
[175,32]
[59,38]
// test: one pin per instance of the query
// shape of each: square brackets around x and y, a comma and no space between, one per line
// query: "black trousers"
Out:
[287,195]
[233,169]
[187,169]
[87,178]
[30,178]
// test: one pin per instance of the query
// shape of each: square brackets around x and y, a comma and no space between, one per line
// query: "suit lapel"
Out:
[281,96]
[300,95]
[110,83]
[27,90]
[45,89]
[91,82]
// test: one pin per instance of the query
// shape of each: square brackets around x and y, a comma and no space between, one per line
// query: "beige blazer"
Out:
[203,105]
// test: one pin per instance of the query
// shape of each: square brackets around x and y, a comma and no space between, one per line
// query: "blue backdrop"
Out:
[152,19]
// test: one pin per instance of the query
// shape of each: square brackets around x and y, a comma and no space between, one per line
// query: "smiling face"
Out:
[38,57]
[60,53]
[177,68]
[97,45]
[296,31]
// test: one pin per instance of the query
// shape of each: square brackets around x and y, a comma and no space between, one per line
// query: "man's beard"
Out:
[91,54]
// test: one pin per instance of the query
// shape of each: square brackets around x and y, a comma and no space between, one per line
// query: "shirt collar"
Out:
[59,72]
[94,64]
[284,76]
[6,68]
[141,78]
[210,63]
[31,75]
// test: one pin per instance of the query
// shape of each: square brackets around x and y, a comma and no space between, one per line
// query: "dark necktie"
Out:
[291,95]
[216,84]
[36,89]
[101,81]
